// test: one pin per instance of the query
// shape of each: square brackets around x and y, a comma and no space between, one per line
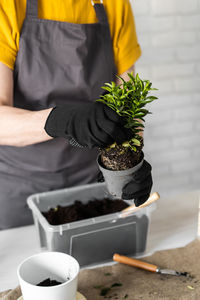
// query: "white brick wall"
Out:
[174,7]
[169,35]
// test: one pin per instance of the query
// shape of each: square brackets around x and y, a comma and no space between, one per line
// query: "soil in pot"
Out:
[79,211]
[120,158]
[49,282]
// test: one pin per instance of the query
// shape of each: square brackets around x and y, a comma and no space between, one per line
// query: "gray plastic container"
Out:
[92,241]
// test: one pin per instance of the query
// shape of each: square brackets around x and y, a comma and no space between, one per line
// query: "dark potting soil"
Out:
[49,282]
[79,211]
[120,158]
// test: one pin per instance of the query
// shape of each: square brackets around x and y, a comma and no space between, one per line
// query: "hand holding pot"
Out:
[90,124]
[139,187]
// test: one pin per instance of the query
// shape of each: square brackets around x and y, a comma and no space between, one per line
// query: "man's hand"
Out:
[139,187]
[90,124]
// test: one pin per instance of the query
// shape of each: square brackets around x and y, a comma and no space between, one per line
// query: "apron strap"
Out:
[31,8]
[101,13]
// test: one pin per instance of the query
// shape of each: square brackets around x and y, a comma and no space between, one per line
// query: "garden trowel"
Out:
[146,266]
[132,208]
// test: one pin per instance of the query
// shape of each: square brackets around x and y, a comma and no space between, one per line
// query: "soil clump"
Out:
[49,282]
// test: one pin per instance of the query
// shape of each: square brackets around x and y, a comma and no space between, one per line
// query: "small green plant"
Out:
[128,99]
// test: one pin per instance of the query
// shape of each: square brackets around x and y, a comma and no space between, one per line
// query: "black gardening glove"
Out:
[100,177]
[89,124]
[139,187]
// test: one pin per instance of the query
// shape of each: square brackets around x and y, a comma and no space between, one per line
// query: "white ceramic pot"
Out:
[54,265]
[116,180]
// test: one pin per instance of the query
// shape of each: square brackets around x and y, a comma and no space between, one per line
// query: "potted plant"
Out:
[128,99]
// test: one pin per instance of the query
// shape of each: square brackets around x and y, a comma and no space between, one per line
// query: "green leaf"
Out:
[140,114]
[130,75]
[107,274]
[190,287]
[136,142]
[125,144]
[116,284]
[122,79]
[108,84]
[113,84]
[105,291]
[133,148]
[106,88]
[152,97]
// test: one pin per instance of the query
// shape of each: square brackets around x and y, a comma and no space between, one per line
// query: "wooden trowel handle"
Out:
[132,208]
[134,262]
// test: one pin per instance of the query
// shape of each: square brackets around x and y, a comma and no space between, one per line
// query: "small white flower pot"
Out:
[116,180]
[54,265]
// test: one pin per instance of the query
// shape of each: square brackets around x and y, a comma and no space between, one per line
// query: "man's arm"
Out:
[125,76]
[18,127]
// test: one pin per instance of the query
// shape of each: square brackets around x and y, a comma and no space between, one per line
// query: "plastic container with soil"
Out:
[93,240]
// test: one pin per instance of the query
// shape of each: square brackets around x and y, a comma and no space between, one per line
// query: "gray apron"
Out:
[57,62]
